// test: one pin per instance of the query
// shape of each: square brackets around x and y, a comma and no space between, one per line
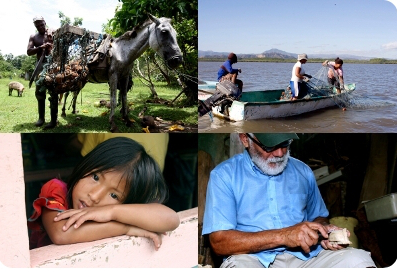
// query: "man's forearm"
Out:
[304,235]
[233,242]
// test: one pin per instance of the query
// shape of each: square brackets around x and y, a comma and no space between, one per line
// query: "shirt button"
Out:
[274,218]
[271,199]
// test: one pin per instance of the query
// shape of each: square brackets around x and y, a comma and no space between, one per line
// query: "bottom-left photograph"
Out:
[99,200]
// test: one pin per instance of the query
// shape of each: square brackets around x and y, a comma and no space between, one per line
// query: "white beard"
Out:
[278,163]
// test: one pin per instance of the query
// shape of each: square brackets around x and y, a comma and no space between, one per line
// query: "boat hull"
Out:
[240,110]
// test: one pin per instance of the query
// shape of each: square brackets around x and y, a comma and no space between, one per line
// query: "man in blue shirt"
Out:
[263,209]
[226,71]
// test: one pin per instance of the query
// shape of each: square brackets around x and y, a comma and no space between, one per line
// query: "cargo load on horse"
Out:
[79,56]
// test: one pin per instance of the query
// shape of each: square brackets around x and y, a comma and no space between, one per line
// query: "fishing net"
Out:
[66,67]
[318,86]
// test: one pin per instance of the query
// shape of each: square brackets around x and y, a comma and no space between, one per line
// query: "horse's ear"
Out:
[153,19]
[133,34]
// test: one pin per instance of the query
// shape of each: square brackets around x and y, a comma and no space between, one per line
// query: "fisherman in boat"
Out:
[226,71]
[298,88]
[335,74]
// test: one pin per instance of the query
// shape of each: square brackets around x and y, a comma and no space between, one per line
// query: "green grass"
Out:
[18,114]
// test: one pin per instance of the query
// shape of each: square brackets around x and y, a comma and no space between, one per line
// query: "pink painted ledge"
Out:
[179,249]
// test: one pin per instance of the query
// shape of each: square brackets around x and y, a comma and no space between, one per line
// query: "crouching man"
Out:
[263,209]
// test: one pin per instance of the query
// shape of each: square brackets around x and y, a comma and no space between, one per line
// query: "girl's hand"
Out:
[156,237]
[79,216]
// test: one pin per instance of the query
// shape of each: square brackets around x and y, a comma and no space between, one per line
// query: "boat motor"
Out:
[225,92]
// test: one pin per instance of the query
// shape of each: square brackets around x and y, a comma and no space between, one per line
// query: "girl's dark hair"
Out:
[338,61]
[144,179]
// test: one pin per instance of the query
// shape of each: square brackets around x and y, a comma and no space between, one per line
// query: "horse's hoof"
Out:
[115,130]
[128,123]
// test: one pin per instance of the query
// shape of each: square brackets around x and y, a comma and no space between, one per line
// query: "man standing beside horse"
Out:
[41,45]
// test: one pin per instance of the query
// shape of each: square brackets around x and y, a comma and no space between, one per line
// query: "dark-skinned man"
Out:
[41,43]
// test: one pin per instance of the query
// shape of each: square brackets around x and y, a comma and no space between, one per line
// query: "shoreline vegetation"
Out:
[314,60]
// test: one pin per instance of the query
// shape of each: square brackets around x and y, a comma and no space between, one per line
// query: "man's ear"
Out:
[244,139]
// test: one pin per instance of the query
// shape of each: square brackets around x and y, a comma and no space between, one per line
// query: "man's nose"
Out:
[278,152]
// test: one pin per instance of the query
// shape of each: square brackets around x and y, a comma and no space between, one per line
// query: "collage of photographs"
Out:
[198,134]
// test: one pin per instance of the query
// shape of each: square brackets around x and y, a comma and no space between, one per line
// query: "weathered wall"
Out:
[14,247]
[178,249]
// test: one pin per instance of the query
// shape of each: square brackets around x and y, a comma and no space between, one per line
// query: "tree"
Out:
[66,20]
[28,64]
[185,18]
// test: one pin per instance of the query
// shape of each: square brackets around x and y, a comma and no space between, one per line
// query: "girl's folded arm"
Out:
[90,231]
[152,217]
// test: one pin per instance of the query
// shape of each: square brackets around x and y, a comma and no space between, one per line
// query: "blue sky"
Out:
[358,27]
[16,18]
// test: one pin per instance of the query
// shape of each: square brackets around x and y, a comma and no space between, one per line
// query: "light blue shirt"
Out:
[241,197]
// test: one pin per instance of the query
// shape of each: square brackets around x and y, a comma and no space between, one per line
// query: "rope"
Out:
[318,86]
[66,68]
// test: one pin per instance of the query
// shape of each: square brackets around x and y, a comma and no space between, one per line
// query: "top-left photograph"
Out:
[99,66]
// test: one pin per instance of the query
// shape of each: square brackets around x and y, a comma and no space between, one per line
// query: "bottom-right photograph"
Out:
[297,200]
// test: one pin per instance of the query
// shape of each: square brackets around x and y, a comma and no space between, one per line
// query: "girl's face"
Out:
[99,189]
[337,66]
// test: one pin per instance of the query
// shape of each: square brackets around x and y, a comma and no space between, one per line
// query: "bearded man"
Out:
[264,209]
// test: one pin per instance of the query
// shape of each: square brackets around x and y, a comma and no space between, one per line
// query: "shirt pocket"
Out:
[298,204]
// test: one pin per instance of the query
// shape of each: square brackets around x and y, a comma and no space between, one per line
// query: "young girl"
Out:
[335,73]
[117,189]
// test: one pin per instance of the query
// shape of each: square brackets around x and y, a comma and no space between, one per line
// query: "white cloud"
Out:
[390,46]
[15,22]
[16,18]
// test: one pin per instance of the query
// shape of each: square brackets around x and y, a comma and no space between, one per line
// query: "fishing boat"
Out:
[269,104]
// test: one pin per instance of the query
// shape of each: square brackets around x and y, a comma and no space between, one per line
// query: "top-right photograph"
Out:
[293,66]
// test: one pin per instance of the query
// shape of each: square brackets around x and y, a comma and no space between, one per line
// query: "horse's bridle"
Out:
[158,43]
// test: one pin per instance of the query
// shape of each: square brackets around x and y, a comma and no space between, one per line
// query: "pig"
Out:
[14,85]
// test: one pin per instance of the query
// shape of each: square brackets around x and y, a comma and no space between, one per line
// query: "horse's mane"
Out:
[132,33]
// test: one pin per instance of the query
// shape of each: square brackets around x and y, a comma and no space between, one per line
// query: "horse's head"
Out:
[163,41]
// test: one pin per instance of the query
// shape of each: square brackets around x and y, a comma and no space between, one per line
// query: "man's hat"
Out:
[38,18]
[302,56]
[273,139]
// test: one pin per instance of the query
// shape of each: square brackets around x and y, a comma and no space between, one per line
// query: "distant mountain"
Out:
[277,51]
[278,54]
[273,53]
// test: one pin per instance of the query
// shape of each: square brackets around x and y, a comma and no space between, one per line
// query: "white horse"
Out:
[156,33]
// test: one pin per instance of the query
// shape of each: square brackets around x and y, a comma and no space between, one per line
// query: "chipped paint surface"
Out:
[12,204]
[127,251]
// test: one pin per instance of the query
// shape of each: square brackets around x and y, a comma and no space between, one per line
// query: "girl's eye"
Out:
[114,196]
[95,177]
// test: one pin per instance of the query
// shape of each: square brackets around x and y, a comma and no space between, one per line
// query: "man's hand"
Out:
[326,244]
[303,235]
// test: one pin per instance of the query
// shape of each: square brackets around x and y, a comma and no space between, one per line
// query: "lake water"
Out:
[375,83]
